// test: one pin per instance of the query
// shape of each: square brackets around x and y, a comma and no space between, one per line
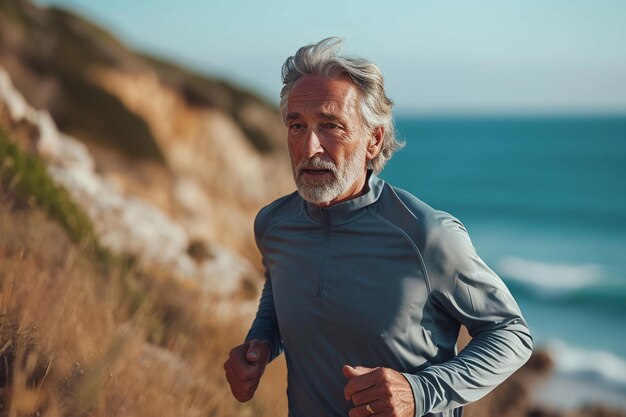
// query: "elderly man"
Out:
[367,286]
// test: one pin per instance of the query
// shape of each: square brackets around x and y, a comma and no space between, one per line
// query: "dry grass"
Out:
[83,338]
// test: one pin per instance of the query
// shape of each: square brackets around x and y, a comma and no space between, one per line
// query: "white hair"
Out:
[325,59]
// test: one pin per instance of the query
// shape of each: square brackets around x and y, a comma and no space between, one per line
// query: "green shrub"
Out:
[27,177]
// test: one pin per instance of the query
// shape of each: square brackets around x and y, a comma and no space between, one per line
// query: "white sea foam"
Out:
[550,276]
[599,364]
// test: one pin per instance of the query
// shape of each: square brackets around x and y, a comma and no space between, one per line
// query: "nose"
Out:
[312,144]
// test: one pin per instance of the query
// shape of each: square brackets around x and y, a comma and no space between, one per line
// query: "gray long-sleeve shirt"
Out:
[382,280]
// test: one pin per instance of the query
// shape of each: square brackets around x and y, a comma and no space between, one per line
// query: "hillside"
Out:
[178,140]
[87,333]
[128,187]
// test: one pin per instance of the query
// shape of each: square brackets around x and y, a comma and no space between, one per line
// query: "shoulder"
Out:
[428,226]
[276,212]
[447,249]
[441,238]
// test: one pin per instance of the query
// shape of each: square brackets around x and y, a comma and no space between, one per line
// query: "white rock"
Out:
[124,224]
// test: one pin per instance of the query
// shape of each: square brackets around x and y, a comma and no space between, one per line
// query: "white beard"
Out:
[324,190]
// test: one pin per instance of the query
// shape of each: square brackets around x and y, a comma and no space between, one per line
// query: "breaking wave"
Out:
[592,364]
[581,285]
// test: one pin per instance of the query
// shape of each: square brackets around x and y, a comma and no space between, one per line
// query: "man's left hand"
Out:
[378,391]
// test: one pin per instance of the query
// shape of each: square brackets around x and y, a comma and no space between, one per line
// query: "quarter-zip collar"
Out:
[346,211]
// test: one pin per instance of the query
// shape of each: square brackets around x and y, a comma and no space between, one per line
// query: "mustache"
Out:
[317,163]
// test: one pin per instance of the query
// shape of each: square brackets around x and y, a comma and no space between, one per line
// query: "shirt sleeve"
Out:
[265,325]
[472,294]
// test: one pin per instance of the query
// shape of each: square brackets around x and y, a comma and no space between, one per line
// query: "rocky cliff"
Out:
[164,169]
[205,153]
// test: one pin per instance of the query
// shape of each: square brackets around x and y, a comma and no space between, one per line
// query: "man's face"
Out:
[327,140]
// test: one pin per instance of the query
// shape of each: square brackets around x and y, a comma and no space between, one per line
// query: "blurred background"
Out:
[163,133]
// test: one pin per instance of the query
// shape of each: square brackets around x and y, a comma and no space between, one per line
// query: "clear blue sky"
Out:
[502,56]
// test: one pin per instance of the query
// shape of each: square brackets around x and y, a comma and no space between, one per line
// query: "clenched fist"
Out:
[245,366]
[378,391]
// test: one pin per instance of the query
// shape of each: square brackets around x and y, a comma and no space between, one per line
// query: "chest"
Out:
[360,284]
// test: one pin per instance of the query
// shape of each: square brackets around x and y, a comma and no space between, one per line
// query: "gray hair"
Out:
[325,59]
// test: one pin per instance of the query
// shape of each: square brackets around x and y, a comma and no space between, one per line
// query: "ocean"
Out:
[544,201]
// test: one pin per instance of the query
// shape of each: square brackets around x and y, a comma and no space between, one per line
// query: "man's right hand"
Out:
[245,366]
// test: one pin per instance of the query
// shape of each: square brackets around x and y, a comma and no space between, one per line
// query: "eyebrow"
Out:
[330,116]
[324,115]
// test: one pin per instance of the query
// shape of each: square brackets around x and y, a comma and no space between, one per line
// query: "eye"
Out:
[295,126]
[331,126]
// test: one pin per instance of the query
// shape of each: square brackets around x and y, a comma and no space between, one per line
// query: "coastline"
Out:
[568,392]
[540,389]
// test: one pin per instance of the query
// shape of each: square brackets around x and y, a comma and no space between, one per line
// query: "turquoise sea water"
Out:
[544,201]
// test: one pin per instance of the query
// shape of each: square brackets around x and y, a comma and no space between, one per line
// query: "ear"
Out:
[375,143]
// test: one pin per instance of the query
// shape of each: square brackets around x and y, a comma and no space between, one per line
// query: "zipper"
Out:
[320,278]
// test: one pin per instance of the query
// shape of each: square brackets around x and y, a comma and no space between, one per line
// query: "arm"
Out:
[464,291]
[246,363]
[265,325]
[473,295]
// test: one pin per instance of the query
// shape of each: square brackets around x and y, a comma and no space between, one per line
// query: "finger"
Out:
[227,370]
[243,386]
[239,365]
[248,372]
[243,390]
[368,396]
[249,388]
[350,371]
[256,351]
[253,353]
[243,370]
[238,352]
[231,375]
[362,411]
[244,394]
[233,381]
[362,382]
[235,386]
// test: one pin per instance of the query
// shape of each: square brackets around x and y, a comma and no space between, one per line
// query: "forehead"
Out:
[316,93]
